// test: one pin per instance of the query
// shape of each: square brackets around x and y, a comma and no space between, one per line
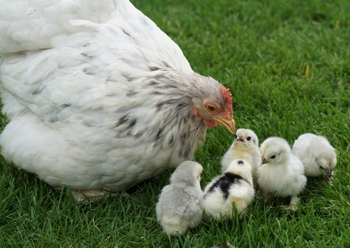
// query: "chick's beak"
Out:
[329,174]
[263,161]
[227,122]
[240,138]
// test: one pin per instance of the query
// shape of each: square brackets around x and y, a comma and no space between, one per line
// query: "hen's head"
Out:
[215,109]
[191,95]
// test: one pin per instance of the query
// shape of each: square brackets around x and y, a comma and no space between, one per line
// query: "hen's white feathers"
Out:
[281,172]
[179,205]
[316,154]
[97,95]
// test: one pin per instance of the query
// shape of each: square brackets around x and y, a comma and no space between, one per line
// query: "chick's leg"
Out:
[267,197]
[293,204]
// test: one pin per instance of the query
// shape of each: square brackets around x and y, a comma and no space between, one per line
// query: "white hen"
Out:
[316,154]
[245,146]
[98,97]
[281,172]
[179,205]
[234,186]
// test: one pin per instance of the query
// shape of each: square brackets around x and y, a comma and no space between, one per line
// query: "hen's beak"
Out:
[227,122]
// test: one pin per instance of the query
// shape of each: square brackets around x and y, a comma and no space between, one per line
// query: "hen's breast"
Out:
[94,138]
[89,153]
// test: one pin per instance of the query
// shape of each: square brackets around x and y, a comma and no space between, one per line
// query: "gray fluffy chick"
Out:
[179,205]
[233,186]
[317,155]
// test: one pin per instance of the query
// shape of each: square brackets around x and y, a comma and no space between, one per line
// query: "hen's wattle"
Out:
[98,97]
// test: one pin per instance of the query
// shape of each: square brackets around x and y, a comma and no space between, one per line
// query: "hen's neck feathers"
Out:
[169,96]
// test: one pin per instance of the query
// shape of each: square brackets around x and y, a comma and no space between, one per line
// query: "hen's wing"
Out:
[31,25]
[72,50]
[36,25]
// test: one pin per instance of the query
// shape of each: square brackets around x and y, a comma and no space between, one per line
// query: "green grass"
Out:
[261,50]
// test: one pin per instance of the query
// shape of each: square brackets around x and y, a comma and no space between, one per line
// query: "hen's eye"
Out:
[248,138]
[273,157]
[211,108]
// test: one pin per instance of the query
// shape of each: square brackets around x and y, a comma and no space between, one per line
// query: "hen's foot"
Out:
[88,196]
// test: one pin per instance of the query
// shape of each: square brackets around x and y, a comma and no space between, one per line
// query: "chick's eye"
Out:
[321,168]
[211,108]
[273,157]
[248,138]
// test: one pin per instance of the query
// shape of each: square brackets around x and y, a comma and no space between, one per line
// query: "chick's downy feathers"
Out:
[316,154]
[245,146]
[179,205]
[98,97]
[281,172]
[233,187]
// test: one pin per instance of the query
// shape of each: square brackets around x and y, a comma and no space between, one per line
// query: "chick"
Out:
[246,147]
[317,155]
[233,186]
[179,205]
[281,172]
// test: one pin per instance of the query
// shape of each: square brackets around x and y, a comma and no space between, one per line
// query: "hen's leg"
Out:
[88,196]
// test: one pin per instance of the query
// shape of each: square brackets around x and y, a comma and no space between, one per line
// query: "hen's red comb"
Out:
[226,94]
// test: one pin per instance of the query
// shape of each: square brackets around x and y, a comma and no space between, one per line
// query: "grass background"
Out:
[287,64]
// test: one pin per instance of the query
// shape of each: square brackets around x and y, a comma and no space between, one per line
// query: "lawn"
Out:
[287,64]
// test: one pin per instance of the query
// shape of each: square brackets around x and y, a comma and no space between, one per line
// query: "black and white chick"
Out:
[281,172]
[233,186]
[246,147]
[316,153]
[179,205]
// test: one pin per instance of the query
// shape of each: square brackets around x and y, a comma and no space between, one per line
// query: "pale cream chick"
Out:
[317,155]
[245,146]
[281,172]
